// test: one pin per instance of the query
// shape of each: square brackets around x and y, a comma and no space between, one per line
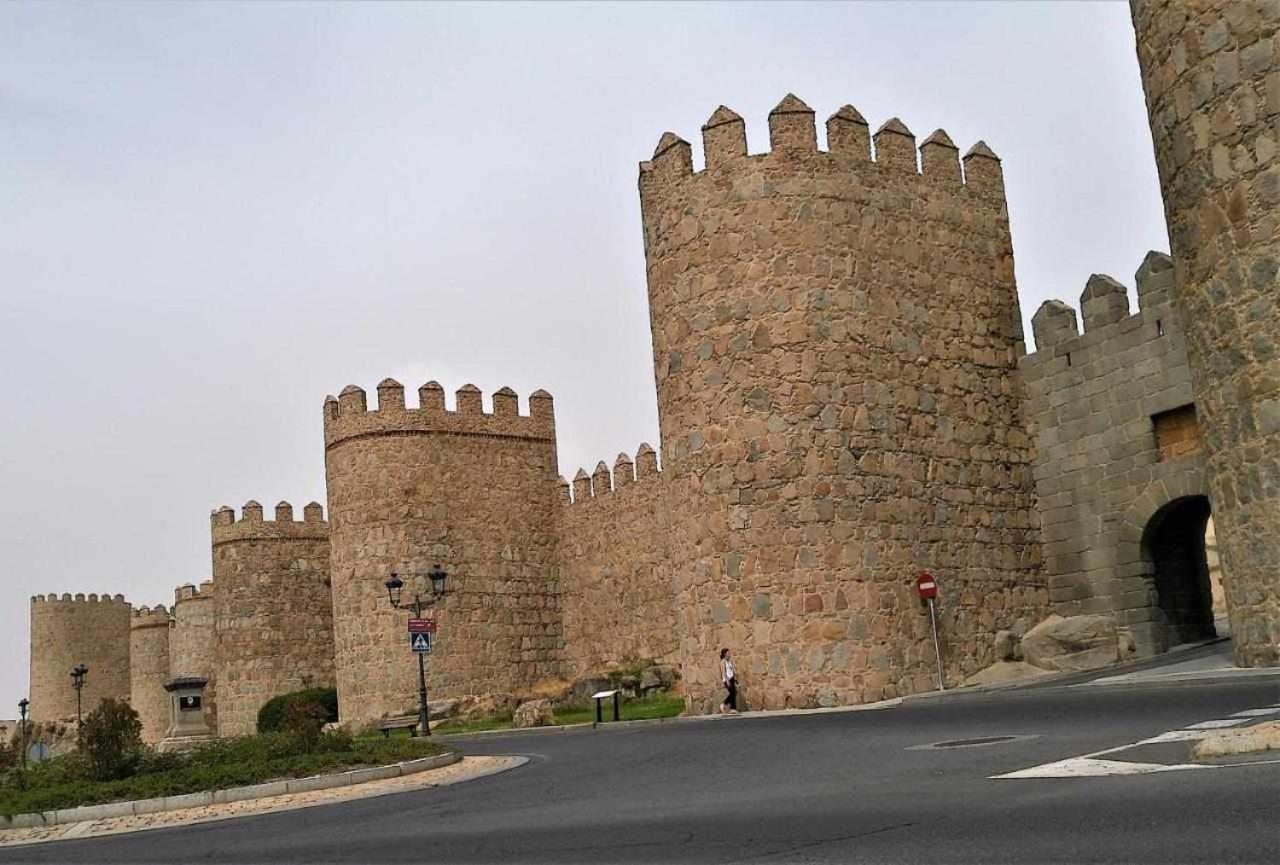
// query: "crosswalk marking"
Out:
[1218,724]
[1094,766]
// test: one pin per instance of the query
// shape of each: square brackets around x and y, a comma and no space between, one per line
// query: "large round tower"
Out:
[1212,82]
[149,670]
[835,342]
[66,632]
[193,642]
[273,609]
[476,493]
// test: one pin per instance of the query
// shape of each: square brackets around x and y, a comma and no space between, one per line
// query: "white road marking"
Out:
[1218,724]
[1091,767]
[1175,736]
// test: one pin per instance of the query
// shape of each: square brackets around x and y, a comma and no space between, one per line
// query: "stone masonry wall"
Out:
[273,609]
[835,342]
[473,492]
[67,631]
[1101,477]
[1211,71]
[149,670]
[614,570]
[193,642]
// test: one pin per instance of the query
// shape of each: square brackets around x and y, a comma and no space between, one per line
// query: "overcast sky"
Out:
[211,216]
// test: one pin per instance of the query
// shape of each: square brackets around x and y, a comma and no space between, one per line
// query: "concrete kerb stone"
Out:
[232,794]
[588,726]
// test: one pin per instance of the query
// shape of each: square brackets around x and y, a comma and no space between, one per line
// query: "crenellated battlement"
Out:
[349,416]
[225,528]
[79,598]
[603,481]
[188,592]
[848,162]
[1104,305]
[150,618]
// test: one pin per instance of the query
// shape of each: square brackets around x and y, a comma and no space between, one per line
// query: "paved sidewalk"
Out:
[1217,663]
[468,769]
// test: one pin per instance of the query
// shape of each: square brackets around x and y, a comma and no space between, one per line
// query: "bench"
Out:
[389,725]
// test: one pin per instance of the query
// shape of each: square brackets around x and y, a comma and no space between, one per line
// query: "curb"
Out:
[87,813]
[588,726]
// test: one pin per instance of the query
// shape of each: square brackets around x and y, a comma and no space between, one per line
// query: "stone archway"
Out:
[1174,547]
[1164,536]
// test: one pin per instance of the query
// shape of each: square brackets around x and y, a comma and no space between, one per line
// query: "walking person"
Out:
[730,677]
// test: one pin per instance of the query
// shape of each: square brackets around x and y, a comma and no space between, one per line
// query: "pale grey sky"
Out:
[215,214]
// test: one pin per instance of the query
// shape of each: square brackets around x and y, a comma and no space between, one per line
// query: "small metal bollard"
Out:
[600,705]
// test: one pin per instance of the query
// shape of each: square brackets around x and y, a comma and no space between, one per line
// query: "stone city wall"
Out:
[67,631]
[149,670]
[614,570]
[474,492]
[193,641]
[1211,72]
[273,609]
[835,342]
[1107,462]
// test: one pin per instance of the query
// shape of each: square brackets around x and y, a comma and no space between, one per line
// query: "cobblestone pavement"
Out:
[466,770]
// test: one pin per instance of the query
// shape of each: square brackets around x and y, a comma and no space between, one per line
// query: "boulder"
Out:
[473,707]
[584,687]
[535,713]
[446,708]
[1072,644]
[1008,646]
[1003,672]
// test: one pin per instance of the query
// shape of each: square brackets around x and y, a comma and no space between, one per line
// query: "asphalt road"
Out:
[846,787]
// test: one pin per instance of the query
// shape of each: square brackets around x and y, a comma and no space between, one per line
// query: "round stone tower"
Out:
[193,642]
[149,670]
[1212,82]
[67,631]
[835,342]
[476,493]
[273,609]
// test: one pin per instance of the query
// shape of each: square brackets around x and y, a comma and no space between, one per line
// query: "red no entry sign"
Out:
[927,586]
[422,626]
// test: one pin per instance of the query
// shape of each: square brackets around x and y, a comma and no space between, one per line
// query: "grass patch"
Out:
[662,705]
[63,781]
[643,709]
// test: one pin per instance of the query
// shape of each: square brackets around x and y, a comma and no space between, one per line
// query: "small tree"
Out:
[111,739]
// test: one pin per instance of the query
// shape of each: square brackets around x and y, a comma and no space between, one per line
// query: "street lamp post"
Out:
[22,711]
[77,682]
[395,586]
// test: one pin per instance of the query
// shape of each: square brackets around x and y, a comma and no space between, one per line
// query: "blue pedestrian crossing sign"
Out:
[420,643]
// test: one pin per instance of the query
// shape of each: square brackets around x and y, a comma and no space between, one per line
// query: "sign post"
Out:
[927,586]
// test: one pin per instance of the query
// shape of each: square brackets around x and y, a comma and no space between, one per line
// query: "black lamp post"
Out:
[395,586]
[22,711]
[77,682]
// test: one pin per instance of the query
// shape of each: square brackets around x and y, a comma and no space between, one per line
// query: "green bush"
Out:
[111,739]
[62,782]
[271,715]
[304,721]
